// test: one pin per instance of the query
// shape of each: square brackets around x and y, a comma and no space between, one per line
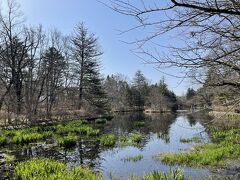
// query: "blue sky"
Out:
[117,58]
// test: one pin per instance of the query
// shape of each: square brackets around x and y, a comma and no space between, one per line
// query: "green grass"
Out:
[108,140]
[139,124]
[132,158]
[187,140]
[38,169]
[157,175]
[67,141]
[131,140]
[225,146]
[100,121]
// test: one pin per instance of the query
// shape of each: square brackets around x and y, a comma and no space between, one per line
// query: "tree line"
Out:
[45,74]
[139,94]
[41,70]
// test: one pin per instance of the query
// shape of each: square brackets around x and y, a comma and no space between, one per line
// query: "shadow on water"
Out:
[161,133]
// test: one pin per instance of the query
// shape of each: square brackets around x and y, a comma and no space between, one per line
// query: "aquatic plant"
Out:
[164,136]
[171,175]
[131,139]
[189,140]
[226,146]
[100,121]
[67,141]
[23,137]
[139,124]
[132,158]
[108,140]
[43,168]
[44,132]
[9,157]
[176,174]
[107,116]
[77,127]
[3,140]
[92,132]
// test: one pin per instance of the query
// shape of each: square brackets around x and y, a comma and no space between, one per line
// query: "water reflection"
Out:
[161,133]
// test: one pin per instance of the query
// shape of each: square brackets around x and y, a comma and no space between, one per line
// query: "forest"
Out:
[62,118]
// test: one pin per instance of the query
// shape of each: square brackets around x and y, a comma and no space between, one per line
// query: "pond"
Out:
[161,134]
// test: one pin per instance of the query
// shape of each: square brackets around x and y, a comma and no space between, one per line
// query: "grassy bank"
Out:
[226,145]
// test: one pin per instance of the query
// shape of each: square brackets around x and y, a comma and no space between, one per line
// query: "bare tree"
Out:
[207,33]
[14,48]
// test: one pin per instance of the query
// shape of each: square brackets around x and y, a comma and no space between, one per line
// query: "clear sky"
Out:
[117,58]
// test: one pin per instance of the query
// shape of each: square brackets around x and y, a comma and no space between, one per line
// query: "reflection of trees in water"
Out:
[154,123]
[191,120]
[86,152]
[201,117]
[124,123]
[159,122]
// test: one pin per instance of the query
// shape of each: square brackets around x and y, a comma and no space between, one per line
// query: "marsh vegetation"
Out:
[77,144]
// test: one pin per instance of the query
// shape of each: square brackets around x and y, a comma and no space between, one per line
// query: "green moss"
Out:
[226,146]
[132,158]
[131,140]
[38,169]
[108,140]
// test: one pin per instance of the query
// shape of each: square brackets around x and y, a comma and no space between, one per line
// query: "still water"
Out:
[109,161]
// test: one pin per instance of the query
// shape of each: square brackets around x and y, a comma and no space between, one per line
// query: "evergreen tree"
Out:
[54,66]
[190,93]
[139,89]
[86,53]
